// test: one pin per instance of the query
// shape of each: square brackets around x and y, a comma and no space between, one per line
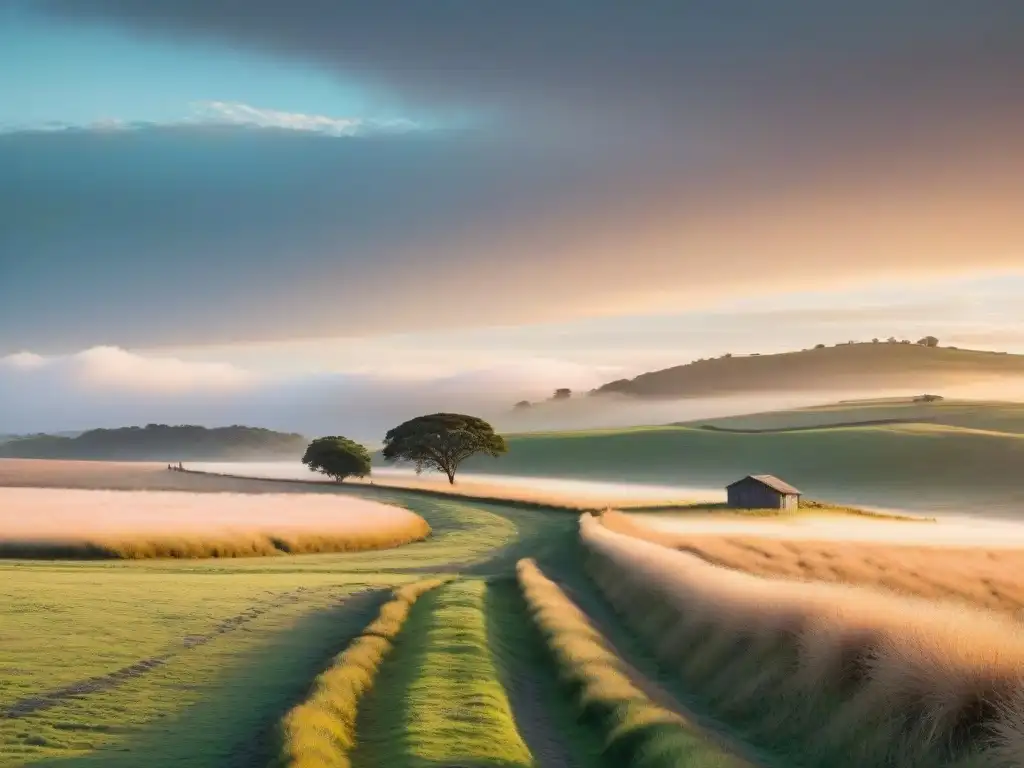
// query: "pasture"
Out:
[508,637]
[885,465]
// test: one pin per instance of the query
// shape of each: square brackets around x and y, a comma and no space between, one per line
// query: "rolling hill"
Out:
[969,414]
[954,456]
[847,367]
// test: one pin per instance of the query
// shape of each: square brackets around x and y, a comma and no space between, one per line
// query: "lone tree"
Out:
[928,341]
[337,457]
[562,393]
[442,441]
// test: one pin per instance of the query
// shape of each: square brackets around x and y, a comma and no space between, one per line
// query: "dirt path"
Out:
[520,658]
[745,755]
[535,726]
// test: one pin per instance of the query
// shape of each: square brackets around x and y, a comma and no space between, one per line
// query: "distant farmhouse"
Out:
[762,492]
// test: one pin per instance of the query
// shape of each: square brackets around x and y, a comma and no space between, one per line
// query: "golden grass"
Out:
[321,731]
[74,524]
[991,578]
[838,674]
[637,731]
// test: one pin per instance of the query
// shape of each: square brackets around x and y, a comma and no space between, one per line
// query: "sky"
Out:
[313,201]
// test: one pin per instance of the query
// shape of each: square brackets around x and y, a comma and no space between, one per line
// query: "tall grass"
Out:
[321,732]
[638,732]
[75,524]
[838,675]
[987,577]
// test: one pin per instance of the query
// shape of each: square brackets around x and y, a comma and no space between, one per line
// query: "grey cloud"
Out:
[694,148]
[667,59]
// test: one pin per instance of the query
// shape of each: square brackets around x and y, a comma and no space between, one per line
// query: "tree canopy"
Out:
[442,441]
[337,457]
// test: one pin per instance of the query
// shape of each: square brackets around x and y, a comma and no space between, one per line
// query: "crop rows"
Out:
[321,732]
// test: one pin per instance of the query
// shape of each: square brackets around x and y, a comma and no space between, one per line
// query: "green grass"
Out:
[523,663]
[897,465]
[215,702]
[438,700]
[211,704]
[321,731]
[988,416]
[62,623]
[636,730]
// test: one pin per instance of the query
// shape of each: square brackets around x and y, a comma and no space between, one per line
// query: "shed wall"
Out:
[754,495]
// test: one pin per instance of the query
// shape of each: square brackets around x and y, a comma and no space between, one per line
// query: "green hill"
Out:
[159,442]
[909,465]
[844,367]
[970,414]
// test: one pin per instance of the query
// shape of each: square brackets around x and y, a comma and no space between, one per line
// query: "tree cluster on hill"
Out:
[160,442]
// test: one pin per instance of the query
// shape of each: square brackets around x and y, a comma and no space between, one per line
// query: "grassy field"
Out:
[968,414]
[451,651]
[195,662]
[882,465]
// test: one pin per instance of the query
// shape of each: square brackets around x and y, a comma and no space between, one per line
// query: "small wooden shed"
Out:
[762,492]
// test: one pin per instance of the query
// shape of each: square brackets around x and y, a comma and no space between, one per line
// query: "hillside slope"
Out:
[970,414]
[159,442]
[844,367]
[905,465]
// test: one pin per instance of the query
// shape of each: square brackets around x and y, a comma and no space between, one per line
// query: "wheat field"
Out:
[81,524]
[990,578]
[839,675]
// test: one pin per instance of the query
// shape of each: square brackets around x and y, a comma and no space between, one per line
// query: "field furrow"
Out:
[546,718]
[321,731]
[438,700]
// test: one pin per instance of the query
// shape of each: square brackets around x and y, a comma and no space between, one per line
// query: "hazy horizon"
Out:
[330,216]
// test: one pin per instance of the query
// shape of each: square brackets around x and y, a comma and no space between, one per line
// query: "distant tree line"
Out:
[159,442]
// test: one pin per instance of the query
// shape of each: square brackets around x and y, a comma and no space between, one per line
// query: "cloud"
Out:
[635,157]
[108,386]
[112,370]
[234,113]
[229,113]
[24,361]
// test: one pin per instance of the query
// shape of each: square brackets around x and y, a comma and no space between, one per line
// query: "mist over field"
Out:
[110,387]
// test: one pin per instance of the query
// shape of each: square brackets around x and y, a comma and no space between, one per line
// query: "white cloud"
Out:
[116,370]
[23,360]
[235,113]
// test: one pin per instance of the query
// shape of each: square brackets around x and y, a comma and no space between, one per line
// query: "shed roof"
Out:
[772,482]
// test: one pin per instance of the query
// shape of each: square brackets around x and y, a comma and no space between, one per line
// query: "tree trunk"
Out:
[451,477]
